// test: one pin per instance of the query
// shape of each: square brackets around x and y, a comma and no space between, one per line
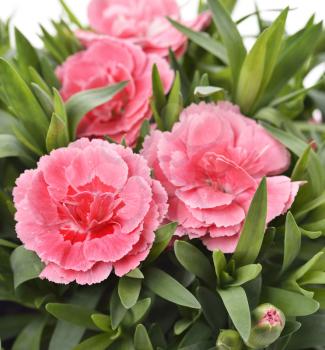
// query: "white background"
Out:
[28,13]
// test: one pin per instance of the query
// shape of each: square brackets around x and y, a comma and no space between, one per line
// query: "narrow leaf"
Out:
[129,290]
[193,260]
[80,104]
[230,36]
[292,242]
[141,339]
[25,264]
[169,289]
[236,303]
[252,235]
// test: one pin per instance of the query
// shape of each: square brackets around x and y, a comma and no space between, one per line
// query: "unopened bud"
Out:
[229,339]
[267,325]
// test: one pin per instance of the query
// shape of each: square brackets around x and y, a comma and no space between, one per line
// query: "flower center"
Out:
[88,212]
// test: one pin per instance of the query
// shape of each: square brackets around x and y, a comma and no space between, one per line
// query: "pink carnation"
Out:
[107,62]
[211,164]
[89,208]
[142,22]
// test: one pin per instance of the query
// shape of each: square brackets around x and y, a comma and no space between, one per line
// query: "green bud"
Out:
[267,325]
[229,339]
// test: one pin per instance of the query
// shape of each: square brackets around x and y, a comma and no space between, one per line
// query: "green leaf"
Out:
[81,103]
[295,52]
[313,277]
[230,36]
[37,79]
[48,73]
[165,286]
[245,274]
[298,147]
[158,89]
[163,237]
[103,322]
[129,291]
[25,264]
[259,64]
[57,135]
[11,147]
[236,303]
[208,91]
[310,335]
[136,273]
[137,312]
[212,307]
[182,325]
[301,165]
[97,342]
[193,260]
[291,303]
[7,244]
[175,104]
[67,335]
[44,99]
[117,310]
[59,106]
[252,235]
[75,314]
[203,40]
[141,338]
[30,336]
[292,242]
[26,55]
[24,103]
[7,122]
[308,266]
[220,264]
[71,15]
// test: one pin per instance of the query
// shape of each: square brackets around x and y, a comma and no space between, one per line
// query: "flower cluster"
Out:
[93,206]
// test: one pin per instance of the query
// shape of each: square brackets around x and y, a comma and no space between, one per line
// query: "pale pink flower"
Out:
[142,22]
[107,62]
[88,208]
[211,164]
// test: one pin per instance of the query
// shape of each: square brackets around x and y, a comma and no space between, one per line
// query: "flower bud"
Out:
[229,339]
[267,325]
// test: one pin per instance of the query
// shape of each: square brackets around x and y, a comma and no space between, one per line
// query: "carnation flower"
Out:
[141,22]
[89,208]
[211,164]
[107,62]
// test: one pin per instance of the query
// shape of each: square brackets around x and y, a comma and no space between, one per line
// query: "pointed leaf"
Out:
[291,303]
[259,64]
[252,235]
[81,103]
[75,314]
[162,284]
[57,135]
[203,40]
[141,338]
[97,342]
[129,290]
[163,237]
[193,260]
[236,303]
[292,242]
[26,265]
[230,36]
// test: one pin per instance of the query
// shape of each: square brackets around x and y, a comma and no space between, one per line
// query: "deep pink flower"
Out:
[211,164]
[107,62]
[142,22]
[89,208]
